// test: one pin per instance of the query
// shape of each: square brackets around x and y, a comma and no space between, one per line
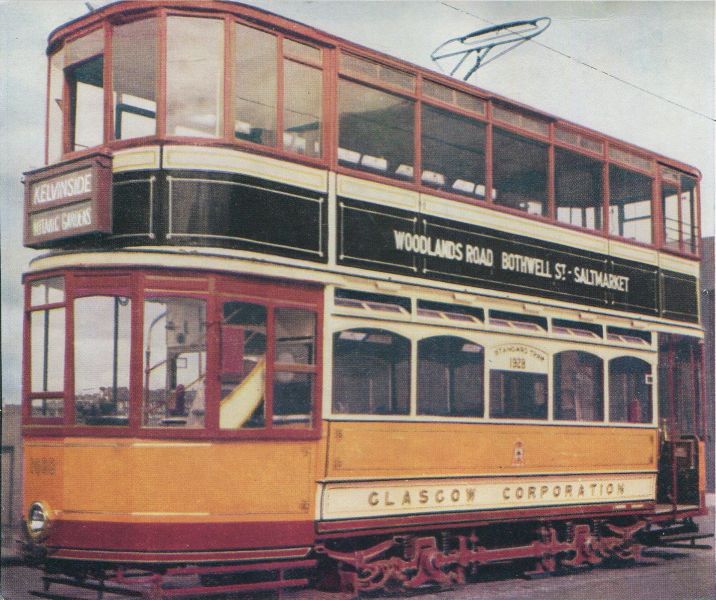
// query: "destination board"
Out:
[397,241]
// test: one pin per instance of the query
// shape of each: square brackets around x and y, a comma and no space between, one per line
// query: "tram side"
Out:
[365,335]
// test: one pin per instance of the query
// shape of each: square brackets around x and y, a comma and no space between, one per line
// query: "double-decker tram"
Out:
[307,314]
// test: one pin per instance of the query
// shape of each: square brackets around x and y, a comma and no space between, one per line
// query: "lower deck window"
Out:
[371,373]
[630,390]
[516,395]
[450,377]
[578,388]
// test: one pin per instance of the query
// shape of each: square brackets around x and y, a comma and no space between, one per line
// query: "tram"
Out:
[308,314]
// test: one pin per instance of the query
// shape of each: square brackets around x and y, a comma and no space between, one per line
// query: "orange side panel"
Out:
[145,481]
[375,450]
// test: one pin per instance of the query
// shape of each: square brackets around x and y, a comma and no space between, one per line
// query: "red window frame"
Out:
[138,284]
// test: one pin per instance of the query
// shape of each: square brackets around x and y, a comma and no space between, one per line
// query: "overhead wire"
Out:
[589,66]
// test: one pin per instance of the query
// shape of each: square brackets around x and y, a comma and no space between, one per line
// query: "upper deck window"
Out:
[519,172]
[302,108]
[84,73]
[630,205]
[437,91]
[134,69]
[578,189]
[679,209]
[375,130]
[255,85]
[258,78]
[195,77]
[376,71]
[453,150]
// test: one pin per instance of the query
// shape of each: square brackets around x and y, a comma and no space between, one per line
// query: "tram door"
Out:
[681,420]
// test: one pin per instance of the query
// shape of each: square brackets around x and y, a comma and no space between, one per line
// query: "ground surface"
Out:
[664,574]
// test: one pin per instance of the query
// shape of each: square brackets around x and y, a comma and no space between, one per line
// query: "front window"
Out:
[47,348]
[578,387]
[174,362]
[629,205]
[134,78]
[371,372]
[630,390]
[101,360]
[195,77]
[450,377]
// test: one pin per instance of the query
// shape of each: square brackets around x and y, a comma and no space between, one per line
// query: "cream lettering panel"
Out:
[517,357]
[365,499]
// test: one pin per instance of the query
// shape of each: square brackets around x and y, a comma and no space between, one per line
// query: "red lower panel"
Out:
[179,537]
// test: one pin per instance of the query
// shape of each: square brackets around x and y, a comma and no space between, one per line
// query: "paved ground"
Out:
[663,575]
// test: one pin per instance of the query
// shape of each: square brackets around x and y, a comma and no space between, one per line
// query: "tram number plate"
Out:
[517,363]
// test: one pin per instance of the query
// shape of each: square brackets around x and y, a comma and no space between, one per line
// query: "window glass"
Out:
[255,84]
[243,366]
[102,352]
[375,130]
[453,149]
[629,204]
[195,76]
[455,97]
[47,291]
[517,395]
[134,66]
[174,362]
[630,390]
[689,220]
[670,209]
[578,189]
[371,372]
[47,350]
[578,388]
[450,375]
[295,331]
[519,173]
[374,70]
[86,83]
[302,51]
[302,108]
[82,48]
[55,107]
[47,408]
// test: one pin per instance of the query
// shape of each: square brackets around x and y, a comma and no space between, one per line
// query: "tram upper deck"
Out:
[231,131]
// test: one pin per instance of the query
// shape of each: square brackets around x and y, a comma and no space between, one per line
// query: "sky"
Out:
[639,71]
